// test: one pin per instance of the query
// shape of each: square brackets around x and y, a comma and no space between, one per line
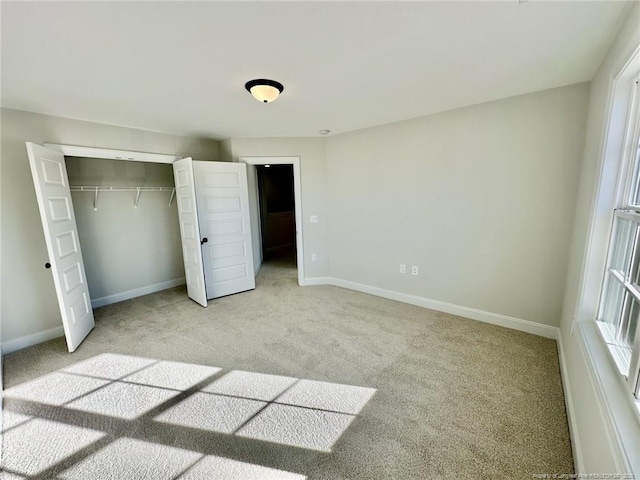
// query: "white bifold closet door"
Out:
[213,209]
[222,196]
[189,230]
[51,183]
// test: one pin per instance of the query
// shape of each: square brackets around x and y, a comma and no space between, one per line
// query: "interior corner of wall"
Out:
[226,151]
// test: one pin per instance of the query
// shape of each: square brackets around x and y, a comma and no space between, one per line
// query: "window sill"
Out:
[620,357]
[617,409]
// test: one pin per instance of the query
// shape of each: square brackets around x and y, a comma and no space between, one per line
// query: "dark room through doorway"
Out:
[277,213]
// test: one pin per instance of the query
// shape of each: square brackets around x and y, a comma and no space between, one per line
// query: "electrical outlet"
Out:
[414,270]
[314,257]
[313,219]
[403,268]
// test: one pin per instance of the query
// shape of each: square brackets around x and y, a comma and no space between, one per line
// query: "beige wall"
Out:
[29,303]
[481,199]
[226,155]
[313,180]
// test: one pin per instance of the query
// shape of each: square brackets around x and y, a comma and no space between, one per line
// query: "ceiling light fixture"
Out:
[324,132]
[264,90]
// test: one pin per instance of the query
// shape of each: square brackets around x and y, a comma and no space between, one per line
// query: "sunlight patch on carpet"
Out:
[11,476]
[127,458]
[55,388]
[298,427]
[173,375]
[334,397]
[123,400]
[276,409]
[12,419]
[36,445]
[259,386]
[211,412]
[220,468]
[111,366]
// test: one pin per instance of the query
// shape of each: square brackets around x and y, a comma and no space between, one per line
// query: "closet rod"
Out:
[99,188]
[85,188]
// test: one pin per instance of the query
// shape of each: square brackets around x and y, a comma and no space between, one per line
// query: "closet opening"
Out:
[128,227]
[203,235]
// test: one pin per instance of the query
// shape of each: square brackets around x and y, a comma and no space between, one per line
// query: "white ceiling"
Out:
[180,67]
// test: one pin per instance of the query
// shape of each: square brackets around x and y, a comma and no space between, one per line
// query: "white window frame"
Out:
[628,192]
[626,358]
[603,184]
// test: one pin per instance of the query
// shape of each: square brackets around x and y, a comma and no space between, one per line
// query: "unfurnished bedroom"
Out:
[320,240]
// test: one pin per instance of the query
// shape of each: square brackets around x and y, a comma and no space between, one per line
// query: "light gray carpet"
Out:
[286,383]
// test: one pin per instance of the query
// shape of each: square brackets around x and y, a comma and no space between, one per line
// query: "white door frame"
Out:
[96,152]
[297,192]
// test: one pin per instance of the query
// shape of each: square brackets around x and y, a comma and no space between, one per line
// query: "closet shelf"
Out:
[95,189]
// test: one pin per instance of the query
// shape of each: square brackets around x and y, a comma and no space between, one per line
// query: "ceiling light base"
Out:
[264,90]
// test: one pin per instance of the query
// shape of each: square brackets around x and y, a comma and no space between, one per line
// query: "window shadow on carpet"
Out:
[120,416]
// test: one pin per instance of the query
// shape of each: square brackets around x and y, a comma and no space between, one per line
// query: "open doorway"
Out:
[277,213]
[292,170]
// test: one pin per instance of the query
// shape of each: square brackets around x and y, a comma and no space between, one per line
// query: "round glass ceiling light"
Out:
[264,90]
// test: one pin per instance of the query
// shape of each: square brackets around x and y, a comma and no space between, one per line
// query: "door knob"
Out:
[47,265]
[204,240]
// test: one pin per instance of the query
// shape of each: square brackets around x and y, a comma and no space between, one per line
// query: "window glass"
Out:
[635,190]
[628,326]
[613,301]
[622,247]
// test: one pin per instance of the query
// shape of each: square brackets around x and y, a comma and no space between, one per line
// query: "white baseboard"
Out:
[472,313]
[307,282]
[46,335]
[574,435]
[30,340]
[136,292]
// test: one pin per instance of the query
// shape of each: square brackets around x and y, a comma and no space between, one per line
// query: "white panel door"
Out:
[49,173]
[223,211]
[189,230]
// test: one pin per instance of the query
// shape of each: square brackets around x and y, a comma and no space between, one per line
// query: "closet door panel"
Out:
[223,211]
[189,230]
[51,184]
